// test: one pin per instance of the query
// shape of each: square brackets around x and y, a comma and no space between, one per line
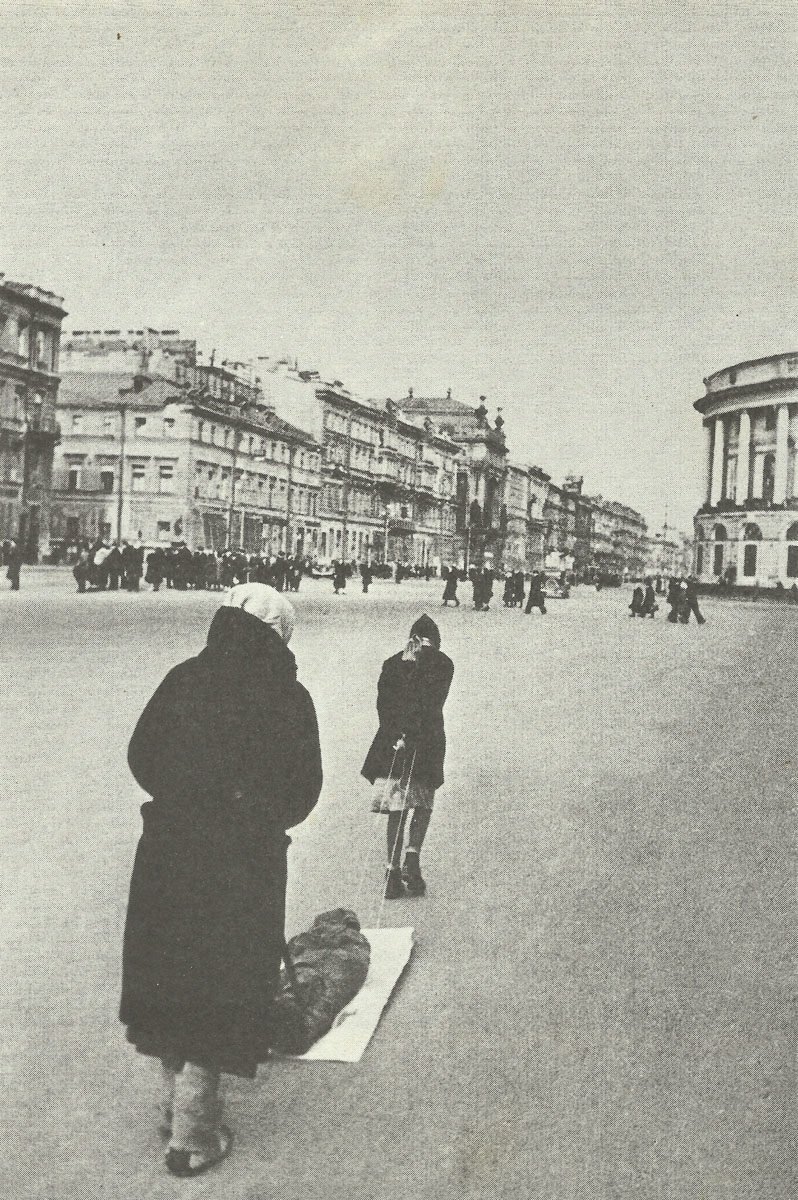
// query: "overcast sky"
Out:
[578,209]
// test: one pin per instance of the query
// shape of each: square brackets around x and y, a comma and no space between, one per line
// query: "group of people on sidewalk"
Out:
[228,751]
[105,566]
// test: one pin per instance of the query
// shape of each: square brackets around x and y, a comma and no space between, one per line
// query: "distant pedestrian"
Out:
[114,565]
[81,569]
[450,590]
[482,589]
[537,594]
[339,578]
[366,575]
[650,606]
[13,558]
[690,603]
[228,749]
[674,599]
[405,761]
[636,607]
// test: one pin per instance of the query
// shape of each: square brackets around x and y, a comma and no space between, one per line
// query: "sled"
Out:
[356,1024]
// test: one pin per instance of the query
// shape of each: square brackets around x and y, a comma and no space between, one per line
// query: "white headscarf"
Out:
[265,603]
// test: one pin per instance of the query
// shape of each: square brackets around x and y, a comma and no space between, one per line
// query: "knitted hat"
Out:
[265,603]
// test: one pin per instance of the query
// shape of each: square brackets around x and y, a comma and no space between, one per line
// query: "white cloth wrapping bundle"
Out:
[354,1027]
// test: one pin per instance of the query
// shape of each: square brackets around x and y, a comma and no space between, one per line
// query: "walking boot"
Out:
[411,875]
[393,884]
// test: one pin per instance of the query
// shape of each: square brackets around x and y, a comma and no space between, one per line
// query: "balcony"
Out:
[42,423]
[401,525]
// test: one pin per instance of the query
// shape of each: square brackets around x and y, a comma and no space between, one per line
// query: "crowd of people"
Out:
[482,579]
[681,598]
[109,566]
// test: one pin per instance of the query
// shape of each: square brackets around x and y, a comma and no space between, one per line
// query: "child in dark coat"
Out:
[405,761]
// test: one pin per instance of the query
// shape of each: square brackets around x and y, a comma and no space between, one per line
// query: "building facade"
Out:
[200,459]
[387,485]
[30,333]
[746,530]
[481,508]
[568,519]
[620,541]
[670,553]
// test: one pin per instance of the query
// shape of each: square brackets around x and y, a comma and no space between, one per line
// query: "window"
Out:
[108,423]
[168,426]
[72,479]
[252,445]
[768,477]
[749,561]
[166,474]
[699,560]
[139,423]
[77,422]
[107,482]
[752,533]
[213,435]
[792,561]
[138,473]
[23,340]
[717,565]
[719,533]
[770,418]
[200,430]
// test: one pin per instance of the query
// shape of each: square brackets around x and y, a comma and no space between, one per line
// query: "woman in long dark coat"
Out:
[228,748]
[405,761]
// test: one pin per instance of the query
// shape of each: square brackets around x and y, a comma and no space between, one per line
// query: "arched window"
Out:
[719,533]
[792,551]
[700,534]
[752,533]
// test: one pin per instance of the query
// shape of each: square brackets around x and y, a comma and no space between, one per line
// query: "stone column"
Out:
[743,458]
[707,463]
[718,456]
[780,474]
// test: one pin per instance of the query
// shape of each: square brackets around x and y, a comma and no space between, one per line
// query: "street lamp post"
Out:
[288,500]
[231,507]
[120,499]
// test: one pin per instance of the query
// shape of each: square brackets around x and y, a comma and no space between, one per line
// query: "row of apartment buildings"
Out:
[132,435]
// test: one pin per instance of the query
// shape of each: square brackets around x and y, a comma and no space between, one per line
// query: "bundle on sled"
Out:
[326,968]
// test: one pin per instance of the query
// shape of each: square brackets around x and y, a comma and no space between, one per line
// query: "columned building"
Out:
[30,332]
[746,531]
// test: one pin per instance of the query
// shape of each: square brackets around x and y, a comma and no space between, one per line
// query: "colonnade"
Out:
[747,484]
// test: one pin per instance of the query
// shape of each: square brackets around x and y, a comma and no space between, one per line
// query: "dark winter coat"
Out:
[228,748]
[450,591]
[410,700]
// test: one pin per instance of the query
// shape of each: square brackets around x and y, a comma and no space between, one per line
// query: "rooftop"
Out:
[29,291]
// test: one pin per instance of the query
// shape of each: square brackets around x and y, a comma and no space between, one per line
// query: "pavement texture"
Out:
[600,1004]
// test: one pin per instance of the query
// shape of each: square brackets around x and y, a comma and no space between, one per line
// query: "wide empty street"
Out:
[598,1006]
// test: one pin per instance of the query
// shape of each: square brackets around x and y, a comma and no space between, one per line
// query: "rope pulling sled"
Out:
[345,1036]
